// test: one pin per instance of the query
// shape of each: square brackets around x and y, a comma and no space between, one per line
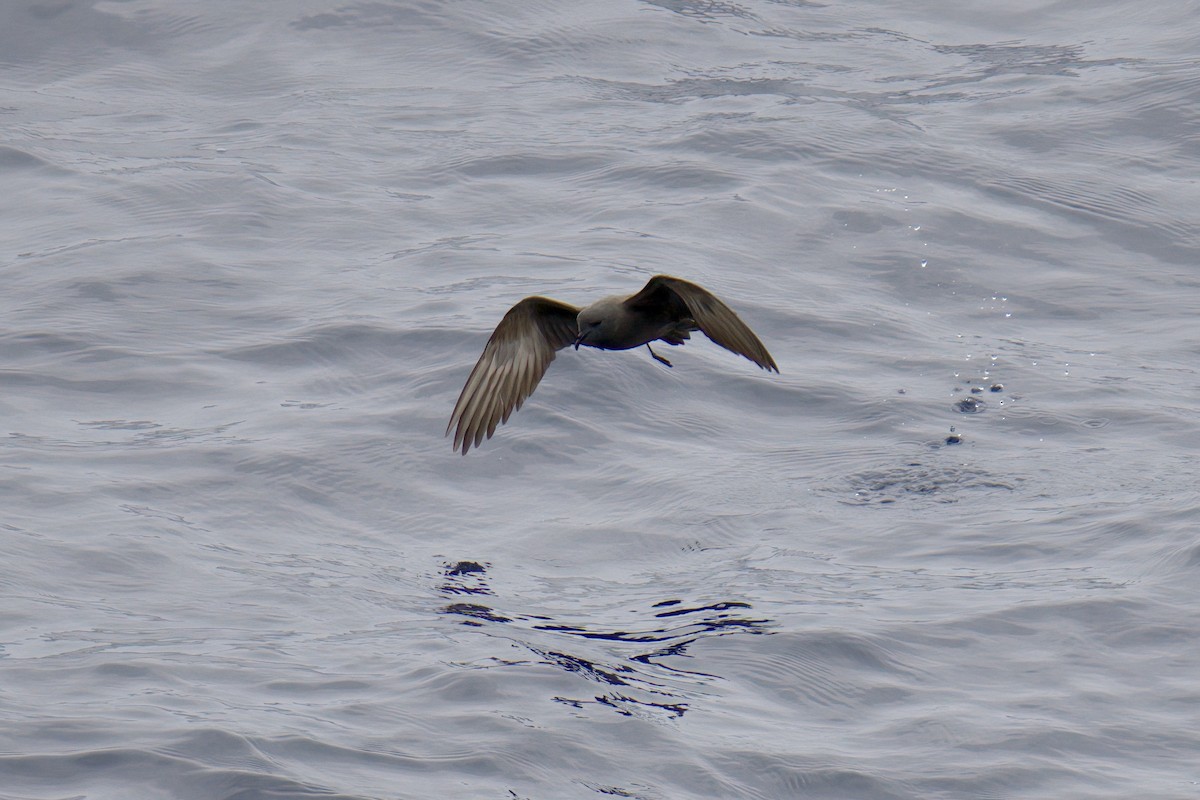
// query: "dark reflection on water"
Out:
[642,672]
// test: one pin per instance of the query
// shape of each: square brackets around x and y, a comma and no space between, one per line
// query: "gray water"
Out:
[251,251]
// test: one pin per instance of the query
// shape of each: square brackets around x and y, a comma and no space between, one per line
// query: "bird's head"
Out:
[591,323]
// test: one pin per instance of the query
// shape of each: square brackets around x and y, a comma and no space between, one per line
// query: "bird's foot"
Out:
[657,357]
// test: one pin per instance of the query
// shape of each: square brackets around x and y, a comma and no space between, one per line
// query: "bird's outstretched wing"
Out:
[713,317]
[513,362]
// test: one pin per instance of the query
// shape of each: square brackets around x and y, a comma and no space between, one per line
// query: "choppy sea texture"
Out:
[251,251]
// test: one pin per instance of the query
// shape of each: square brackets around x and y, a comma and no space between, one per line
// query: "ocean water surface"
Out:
[250,253]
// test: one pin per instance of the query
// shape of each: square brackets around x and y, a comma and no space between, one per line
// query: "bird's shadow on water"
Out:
[635,669]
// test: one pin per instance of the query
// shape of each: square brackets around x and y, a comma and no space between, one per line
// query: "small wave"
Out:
[920,481]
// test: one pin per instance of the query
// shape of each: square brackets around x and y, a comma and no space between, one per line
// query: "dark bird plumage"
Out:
[526,340]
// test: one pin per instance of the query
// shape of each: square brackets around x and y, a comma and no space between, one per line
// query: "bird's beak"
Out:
[579,339]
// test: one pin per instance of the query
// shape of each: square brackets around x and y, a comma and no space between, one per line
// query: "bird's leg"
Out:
[657,357]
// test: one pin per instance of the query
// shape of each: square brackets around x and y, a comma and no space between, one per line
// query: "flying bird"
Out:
[526,340]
